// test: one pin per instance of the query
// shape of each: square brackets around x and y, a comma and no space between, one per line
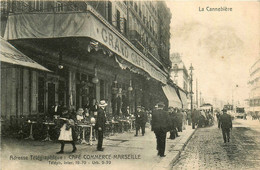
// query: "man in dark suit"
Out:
[139,121]
[226,125]
[55,110]
[101,123]
[160,125]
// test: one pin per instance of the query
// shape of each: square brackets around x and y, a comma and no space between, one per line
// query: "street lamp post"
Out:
[191,92]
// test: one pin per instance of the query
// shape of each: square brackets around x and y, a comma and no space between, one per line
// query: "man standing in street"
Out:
[226,125]
[101,123]
[160,124]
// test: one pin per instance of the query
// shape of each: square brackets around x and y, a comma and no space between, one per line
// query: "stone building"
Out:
[112,50]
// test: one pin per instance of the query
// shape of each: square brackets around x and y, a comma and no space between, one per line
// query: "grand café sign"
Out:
[117,45]
[49,25]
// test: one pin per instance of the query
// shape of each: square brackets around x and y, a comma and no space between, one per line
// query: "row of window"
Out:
[146,17]
[111,12]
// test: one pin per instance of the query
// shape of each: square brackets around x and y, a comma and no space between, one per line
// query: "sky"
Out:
[222,46]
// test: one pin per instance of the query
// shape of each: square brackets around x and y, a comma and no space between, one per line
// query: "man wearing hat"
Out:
[101,123]
[226,125]
[160,124]
[139,121]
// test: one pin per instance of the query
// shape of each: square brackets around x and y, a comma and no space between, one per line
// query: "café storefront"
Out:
[89,59]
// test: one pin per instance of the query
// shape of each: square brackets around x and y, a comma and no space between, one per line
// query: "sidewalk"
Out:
[126,151]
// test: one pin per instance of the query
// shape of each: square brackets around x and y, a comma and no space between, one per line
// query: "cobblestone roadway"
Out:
[206,149]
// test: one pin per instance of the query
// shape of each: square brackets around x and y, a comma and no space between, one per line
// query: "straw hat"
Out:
[102,103]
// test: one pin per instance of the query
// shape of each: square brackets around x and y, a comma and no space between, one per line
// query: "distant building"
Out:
[179,75]
[254,82]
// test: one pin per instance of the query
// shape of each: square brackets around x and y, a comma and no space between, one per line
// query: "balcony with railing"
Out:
[136,39]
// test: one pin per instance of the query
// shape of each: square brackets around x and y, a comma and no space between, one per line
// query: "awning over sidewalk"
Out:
[183,100]
[87,24]
[11,55]
[254,109]
[172,96]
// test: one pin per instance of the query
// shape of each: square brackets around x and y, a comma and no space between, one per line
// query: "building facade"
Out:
[96,50]
[254,84]
[179,75]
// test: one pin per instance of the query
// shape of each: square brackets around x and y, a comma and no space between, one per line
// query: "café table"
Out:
[114,123]
[123,123]
[31,129]
[84,126]
[48,124]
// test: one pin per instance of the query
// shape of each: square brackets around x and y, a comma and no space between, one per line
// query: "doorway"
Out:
[51,95]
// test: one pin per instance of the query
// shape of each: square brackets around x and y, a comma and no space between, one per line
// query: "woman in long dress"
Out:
[66,131]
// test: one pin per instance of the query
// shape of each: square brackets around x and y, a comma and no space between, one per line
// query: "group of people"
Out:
[171,120]
[162,120]
[66,122]
[202,118]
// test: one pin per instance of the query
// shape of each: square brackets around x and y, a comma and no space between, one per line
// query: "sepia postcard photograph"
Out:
[130,85]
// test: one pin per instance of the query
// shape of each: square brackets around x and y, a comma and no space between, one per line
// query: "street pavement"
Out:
[206,149]
[139,153]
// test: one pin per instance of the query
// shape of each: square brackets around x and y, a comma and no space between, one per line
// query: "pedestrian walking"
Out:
[173,120]
[226,125]
[139,121]
[179,119]
[189,117]
[144,120]
[67,131]
[195,117]
[160,126]
[184,119]
[218,118]
[101,123]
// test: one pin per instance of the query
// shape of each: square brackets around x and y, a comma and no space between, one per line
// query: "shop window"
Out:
[118,20]
[51,95]
[62,93]
[41,86]
[109,18]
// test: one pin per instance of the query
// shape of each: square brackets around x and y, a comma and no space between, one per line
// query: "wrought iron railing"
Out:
[42,6]
[8,7]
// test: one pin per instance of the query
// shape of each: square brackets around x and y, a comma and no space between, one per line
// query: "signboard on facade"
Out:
[42,25]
